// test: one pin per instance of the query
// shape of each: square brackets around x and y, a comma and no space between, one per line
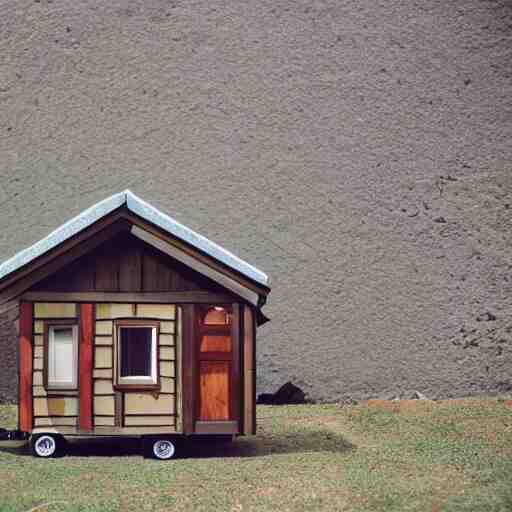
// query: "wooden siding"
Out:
[54,310]
[55,408]
[126,264]
[108,407]
[118,408]
[214,390]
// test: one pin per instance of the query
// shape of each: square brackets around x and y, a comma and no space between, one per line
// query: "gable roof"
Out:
[149,213]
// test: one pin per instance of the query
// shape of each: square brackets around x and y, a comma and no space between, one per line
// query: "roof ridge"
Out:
[147,212]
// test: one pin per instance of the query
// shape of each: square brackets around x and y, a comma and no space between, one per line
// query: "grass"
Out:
[411,456]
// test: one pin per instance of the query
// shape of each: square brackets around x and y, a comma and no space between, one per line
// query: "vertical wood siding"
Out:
[126,264]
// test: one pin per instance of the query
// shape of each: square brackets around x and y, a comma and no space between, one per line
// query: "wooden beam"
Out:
[236,339]
[196,253]
[191,297]
[217,427]
[188,365]
[249,401]
[25,368]
[86,364]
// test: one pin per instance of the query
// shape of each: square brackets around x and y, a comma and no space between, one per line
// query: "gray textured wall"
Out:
[358,151]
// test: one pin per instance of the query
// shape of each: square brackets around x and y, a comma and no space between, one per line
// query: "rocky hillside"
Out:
[358,151]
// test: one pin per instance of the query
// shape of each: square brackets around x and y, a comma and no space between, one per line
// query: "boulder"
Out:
[265,399]
[287,394]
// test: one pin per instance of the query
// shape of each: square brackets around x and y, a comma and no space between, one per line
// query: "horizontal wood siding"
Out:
[147,421]
[56,421]
[125,408]
[55,408]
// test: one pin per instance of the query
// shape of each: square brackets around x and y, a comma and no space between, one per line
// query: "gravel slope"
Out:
[357,151]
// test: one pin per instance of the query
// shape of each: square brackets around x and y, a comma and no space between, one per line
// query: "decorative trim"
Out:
[192,297]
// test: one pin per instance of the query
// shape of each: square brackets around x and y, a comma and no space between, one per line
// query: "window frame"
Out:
[49,325]
[139,382]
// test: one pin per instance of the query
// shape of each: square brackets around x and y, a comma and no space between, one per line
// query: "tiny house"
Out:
[131,324]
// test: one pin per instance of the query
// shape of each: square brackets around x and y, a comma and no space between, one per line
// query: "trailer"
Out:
[131,324]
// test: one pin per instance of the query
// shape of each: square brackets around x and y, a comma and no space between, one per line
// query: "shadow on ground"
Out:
[254,446]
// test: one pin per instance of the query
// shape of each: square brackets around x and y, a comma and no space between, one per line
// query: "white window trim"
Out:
[137,380]
[62,385]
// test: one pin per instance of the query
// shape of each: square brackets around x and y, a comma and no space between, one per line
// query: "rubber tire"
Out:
[149,447]
[60,445]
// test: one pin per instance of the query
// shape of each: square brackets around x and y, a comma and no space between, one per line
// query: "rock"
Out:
[440,220]
[265,399]
[418,396]
[486,317]
[347,402]
[289,394]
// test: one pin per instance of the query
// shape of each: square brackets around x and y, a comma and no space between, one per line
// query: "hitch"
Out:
[13,438]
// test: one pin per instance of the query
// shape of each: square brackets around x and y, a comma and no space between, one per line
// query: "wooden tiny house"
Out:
[132,324]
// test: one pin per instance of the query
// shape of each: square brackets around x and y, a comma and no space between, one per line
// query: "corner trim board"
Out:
[86,357]
[26,412]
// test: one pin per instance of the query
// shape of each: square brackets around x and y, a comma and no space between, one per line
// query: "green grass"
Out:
[451,456]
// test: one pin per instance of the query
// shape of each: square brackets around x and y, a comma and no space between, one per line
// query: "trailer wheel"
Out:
[159,448]
[46,445]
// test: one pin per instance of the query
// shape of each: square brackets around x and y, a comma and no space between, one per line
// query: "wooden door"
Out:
[217,364]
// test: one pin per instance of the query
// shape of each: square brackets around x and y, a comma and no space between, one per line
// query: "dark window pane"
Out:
[135,351]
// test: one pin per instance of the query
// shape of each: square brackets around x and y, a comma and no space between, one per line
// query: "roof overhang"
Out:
[154,227]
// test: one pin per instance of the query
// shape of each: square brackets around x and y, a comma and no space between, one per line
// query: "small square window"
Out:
[136,347]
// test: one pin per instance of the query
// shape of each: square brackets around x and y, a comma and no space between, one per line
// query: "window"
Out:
[136,354]
[217,316]
[61,356]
